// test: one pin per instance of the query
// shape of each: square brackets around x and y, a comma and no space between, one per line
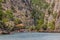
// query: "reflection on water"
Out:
[31,36]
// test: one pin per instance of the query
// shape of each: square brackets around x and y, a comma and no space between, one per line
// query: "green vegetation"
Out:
[1,12]
[0,0]
[5,17]
[51,25]
[41,12]
[38,12]
[40,8]
[17,21]
[55,15]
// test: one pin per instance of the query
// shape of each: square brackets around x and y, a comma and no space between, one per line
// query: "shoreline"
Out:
[18,31]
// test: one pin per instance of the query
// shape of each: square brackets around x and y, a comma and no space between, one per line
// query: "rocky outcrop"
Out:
[21,9]
[56,9]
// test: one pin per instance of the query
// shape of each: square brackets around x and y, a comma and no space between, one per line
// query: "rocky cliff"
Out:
[55,9]
[51,10]
[21,9]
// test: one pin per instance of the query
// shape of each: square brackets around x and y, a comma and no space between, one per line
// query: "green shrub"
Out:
[44,27]
[9,14]
[1,11]
[5,20]
[39,24]
[1,0]
[17,21]
[55,15]
[51,25]
[31,28]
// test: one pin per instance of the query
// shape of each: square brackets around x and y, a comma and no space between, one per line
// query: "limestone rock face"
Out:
[21,9]
[56,4]
[56,9]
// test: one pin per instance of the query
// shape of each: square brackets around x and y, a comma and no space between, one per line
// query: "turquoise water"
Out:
[31,36]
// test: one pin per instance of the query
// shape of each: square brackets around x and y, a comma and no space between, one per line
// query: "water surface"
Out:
[31,36]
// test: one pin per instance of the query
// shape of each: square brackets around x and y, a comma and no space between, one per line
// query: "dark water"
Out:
[31,36]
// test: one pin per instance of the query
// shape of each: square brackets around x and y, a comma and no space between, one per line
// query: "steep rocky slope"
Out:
[51,11]
[56,9]
[21,9]
[45,12]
